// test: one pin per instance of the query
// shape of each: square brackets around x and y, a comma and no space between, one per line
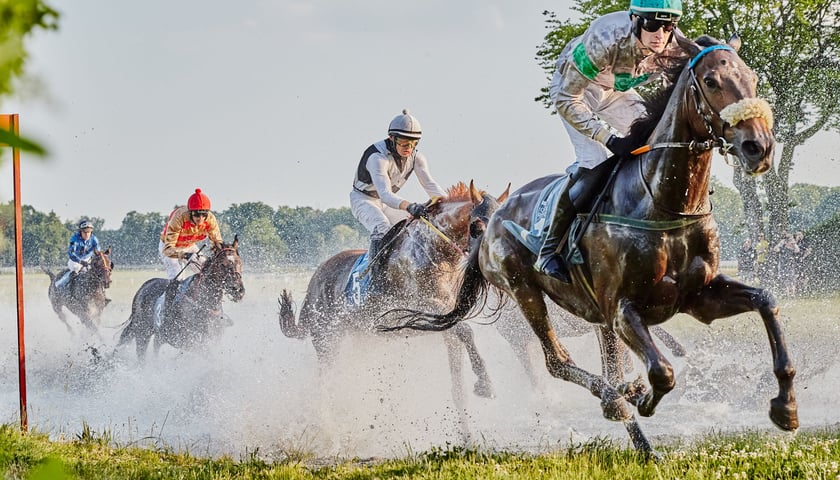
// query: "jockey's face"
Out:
[86,232]
[198,216]
[657,40]
[405,146]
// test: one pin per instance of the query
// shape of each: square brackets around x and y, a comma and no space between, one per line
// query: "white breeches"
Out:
[174,265]
[374,215]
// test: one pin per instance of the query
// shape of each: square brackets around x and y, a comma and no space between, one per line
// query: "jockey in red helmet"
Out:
[187,225]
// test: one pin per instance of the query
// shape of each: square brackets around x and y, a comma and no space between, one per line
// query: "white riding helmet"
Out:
[405,126]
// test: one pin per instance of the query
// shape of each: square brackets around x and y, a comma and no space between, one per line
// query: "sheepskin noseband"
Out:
[746,109]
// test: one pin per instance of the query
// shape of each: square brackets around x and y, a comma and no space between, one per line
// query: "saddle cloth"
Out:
[541,219]
[159,302]
[355,293]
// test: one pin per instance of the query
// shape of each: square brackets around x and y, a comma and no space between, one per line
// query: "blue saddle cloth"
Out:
[541,219]
[355,293]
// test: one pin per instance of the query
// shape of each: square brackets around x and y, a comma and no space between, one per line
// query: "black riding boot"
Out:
[550,261]
[169,297]
[373,269]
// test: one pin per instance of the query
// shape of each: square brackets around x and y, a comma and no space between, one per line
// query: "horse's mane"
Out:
[459,192]
[656,103]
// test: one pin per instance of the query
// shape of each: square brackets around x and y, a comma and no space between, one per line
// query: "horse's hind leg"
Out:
[454,353]
[483,385]
[677,349]
[724,297]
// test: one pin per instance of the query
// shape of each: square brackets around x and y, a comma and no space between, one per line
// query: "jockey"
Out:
[383,169]
[83,244]
[592,90]
[187,225]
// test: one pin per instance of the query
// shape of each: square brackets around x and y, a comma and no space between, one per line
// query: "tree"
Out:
[794,48]
[261,246]
[136,242]
[19,19]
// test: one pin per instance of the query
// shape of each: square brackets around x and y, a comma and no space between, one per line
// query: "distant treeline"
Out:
[304,236]
[268,238]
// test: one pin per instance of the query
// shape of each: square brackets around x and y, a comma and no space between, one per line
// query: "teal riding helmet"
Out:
[663,10]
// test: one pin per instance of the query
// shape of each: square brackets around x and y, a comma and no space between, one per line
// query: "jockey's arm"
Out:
[424,176]
[567,91]
[377,165]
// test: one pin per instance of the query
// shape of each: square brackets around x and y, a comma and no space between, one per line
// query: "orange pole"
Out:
[10,122]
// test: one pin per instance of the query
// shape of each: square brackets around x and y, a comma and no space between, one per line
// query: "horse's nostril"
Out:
[752,149]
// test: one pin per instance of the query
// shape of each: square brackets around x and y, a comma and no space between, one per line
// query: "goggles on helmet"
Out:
[652,25]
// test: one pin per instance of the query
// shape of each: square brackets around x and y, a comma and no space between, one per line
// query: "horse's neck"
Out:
[672,179]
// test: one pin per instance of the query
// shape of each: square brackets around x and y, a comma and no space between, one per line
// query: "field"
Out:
[254,395]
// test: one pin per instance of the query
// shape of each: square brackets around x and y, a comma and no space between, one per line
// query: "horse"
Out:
[196,316]
[84,293]
[652,250]
[521,338]
[419,266]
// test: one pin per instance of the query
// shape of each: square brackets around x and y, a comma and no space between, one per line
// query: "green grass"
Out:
[749,455]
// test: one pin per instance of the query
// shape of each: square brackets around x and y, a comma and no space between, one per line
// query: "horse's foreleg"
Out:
[724,297]
[635,334]
[558,361]
[483,385]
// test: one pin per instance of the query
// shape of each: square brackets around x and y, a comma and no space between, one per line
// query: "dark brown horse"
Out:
[420,268]
[653,250]
[84,293]
[196,316]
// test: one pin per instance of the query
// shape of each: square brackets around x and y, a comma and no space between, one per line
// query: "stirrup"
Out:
[555,267]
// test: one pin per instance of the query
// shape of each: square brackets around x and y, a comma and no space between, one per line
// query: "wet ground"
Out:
[256,390]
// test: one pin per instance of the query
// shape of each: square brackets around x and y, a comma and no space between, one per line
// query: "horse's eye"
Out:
[710,82]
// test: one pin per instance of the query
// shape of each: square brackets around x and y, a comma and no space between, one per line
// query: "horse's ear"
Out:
[734,42]
[235,243]
[504,196]
[689,46]
[107,251]
[475,195]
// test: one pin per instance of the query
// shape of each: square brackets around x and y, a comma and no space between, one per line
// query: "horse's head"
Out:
[225,269]
[101,266]
[462,214]
[723,92]
[484,206]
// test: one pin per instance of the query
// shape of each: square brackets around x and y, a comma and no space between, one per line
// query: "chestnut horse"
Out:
[84,293]
[196,314]
[420,267]
[653,249]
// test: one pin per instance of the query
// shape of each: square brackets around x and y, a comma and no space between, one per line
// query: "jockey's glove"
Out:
[621,146]
[187,256]
[84,263]
[417,210]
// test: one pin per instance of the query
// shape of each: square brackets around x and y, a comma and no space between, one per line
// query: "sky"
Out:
[274,101]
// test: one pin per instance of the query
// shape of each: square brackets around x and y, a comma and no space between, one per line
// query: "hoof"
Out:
[784,414]
[634,392]
[484,389]
[614,406]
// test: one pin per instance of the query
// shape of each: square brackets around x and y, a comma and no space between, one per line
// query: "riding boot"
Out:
[550,261]
[373,261]
[169,298]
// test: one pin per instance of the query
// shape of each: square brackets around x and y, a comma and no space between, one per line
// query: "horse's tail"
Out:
[288,325]
[471,294]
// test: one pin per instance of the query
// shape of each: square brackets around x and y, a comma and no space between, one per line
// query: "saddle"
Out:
[541,219]
[357,289]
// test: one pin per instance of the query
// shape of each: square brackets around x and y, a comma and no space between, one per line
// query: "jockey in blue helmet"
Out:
[593,92]
[83,244]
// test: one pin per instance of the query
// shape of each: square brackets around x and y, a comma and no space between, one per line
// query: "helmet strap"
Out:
[392,147]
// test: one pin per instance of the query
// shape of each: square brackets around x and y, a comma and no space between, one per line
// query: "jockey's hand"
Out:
[187,256]
[417,210]
[621,146]
[84,263]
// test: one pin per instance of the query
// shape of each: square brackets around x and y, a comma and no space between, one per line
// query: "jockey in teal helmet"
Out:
[593,92]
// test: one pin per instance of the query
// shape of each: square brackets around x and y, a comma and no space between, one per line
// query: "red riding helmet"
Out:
[198,201]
